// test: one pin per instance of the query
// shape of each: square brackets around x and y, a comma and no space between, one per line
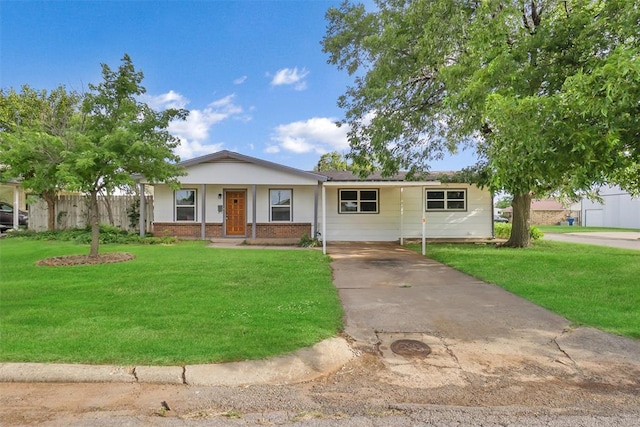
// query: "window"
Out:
[185,205]
[358,201]
[280,204]
[446,200]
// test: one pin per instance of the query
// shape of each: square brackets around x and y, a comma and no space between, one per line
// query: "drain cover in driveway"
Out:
[410,348]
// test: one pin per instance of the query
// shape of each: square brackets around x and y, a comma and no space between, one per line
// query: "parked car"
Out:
[500,219]
[6,216]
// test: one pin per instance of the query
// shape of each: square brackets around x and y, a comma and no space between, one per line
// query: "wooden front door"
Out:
[235,212]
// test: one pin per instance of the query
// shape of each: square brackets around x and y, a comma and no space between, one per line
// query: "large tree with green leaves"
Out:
[332,161]
[545,91]
[35,132]
[118,137]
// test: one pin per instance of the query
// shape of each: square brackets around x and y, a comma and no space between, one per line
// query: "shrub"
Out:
[108,234]
[308,242]
[503,231]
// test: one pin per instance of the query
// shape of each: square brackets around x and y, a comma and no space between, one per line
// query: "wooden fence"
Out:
[73,212]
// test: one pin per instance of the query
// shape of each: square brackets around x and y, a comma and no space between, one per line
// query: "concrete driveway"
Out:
[390,293]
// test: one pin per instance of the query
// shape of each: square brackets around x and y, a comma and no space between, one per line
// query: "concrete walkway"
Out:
[624,240]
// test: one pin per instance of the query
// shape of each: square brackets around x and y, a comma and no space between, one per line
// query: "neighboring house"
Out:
[226,194]
[548,212]
[618,209]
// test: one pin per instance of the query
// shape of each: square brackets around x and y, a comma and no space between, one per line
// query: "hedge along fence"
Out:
[73,212]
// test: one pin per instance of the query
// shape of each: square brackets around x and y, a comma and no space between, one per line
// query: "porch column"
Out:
[203,219]
[143,211]
[324,220]
[16,207]
[253,212]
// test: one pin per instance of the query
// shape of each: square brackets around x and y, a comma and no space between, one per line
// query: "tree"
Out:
[332,161]
[503,202]
[34,134]
[537,87]
[118,137]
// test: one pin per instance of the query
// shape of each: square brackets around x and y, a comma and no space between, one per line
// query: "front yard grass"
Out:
[171,305]
[589,285]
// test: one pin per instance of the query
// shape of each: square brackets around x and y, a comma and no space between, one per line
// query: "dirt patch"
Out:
[70,260]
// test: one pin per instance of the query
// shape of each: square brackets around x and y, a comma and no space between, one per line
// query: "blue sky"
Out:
[252,73]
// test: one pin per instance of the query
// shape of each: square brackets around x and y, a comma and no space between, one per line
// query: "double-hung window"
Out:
[185,201]
[280,204]
[446,200]
[358,201]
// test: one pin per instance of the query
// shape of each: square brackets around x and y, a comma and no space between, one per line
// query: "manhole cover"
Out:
[410,348]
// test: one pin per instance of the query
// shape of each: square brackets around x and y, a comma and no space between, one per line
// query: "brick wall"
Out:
[191,230]
[281,231]
[548,217]
[263,230]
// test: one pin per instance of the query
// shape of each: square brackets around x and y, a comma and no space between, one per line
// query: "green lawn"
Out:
[578,229]
[172,305]
[589,285]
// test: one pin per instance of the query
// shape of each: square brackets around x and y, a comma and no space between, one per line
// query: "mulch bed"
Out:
[69,260]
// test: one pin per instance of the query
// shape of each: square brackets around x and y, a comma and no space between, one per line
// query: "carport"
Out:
[403,219]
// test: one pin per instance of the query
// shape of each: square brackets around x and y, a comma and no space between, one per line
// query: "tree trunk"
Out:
[50,199]
[95,225]
[107,204]
[520,222]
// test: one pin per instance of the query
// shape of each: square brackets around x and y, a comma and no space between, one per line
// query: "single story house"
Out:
[548,212]
[227,194]
[618,209]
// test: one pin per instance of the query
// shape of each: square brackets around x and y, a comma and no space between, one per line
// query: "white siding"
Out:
[386,225]
[618,209]
[240,173]
[303,202]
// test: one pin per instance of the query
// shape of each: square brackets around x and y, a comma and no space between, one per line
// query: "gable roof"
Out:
[376,176]
[229,156]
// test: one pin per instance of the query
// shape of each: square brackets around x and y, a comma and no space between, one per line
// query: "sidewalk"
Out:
[624,240]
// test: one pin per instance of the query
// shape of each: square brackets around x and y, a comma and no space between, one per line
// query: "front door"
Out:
[235,212]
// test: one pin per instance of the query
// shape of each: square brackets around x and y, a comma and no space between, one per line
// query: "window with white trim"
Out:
[446,200]
[185,202]
[357,201]
[280,204]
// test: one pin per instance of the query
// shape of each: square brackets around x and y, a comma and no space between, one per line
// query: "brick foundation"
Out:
[212,230]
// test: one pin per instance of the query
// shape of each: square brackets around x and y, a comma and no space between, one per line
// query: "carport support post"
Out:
[424,221]
[401,216]
[324,220]
[254,232]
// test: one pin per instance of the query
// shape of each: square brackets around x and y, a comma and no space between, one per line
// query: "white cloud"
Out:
[291,76]
[194,132]
[272,149]
[167,100]
[319,135]
[240,80]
